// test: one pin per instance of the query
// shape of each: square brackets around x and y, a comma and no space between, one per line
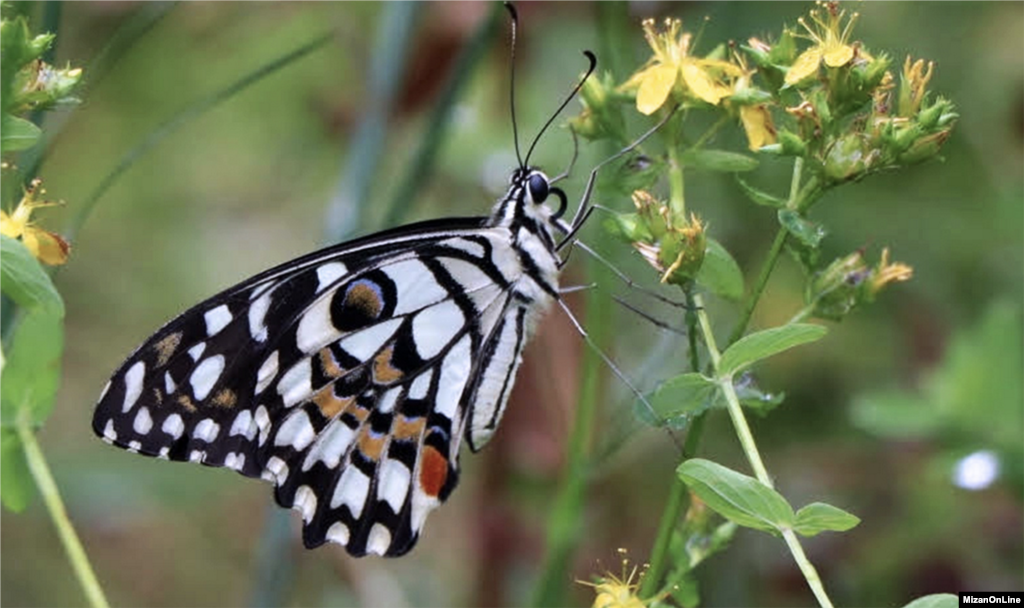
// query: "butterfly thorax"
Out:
[532,225]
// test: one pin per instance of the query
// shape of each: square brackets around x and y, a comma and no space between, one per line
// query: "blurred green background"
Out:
[877,418]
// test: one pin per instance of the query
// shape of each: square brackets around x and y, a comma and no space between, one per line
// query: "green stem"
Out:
[51,496]
[676,190]
[746,438]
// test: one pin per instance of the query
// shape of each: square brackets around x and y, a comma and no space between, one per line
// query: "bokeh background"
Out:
[248,184]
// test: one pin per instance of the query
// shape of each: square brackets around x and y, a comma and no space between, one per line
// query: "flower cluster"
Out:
[48,247]
[670,242]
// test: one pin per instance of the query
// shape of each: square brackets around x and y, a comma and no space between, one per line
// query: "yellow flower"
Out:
[672,65]
[914,86]
[618,591]
[756,119]
[830,40]
[45,246]
[886,273]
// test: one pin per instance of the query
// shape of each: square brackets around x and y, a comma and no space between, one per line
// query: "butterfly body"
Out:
[350,376]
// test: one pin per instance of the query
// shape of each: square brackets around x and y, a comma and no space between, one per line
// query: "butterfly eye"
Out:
[538,188]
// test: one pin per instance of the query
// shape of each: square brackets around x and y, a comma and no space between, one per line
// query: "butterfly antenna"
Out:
[621,376]
[575,89]
[512,78]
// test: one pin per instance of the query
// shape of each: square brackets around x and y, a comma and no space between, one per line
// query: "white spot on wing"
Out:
[258,315]
[207,430]
[169,385]
[133,447]
[305,503]
[421,385]
[173,426]
[164,453]
[330,446]
[133,385]
[277,470]
[388,400]
[143,421]
[379,539]
[234,461]
[197,456]
[197,351]
[338,533]
[205,376]
[296,384]
[267,372]
[296,431]
[394,483]
[416,287]
[328,274]
[262,419]
[363,344]
[109,434]
[454,373]
[315,329]
[470,247]
[434,327]
[351,491]
[217,319]
[243,425]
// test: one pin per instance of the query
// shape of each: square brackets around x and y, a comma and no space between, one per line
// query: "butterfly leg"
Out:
[618,373]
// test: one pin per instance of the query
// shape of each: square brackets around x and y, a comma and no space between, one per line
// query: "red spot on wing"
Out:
[433,471]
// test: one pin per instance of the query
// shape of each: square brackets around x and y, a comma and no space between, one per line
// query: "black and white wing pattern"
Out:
[349,377]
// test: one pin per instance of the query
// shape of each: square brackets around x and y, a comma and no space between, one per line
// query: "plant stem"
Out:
[746,438]
[51,496]
[677,194]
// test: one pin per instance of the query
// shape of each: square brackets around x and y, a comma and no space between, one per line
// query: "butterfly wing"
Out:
[345,377]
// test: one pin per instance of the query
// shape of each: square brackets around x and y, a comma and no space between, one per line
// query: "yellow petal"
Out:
[47,247]
[655,85]
[702,85]
[805,65]
[8,227]
[838,55]
[757,122]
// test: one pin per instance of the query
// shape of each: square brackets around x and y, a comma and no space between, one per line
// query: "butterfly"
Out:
[350,377]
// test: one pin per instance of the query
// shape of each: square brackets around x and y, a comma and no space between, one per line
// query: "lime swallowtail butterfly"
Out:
[350,377]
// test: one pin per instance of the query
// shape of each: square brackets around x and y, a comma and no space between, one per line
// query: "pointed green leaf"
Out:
[820,517]
[759,196]
[806,231]
[764,344]
[15,478]
[720,273]
[737,497]
[684,395]
[753,398]
[23,279]
[719,160]
[936,600]
[31,371]
[17,134]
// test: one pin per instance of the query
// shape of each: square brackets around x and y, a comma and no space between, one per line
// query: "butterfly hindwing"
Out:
[346,377]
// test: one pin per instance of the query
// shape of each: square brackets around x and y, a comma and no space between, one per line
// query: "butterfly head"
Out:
[528,203]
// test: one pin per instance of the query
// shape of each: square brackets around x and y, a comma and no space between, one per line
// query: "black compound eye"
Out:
[539,188]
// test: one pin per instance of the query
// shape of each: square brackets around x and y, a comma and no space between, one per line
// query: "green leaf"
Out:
[17,134]
[759,196]
[684,395]
[737,497]
[764,344]
[719,160]
[23,279]
[753,398]
[805,231]
[720,273]
[936,600]
[15,478]
[820,517]
[31,372]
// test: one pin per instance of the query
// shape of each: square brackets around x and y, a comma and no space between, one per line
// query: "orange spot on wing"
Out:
[165,348]
[384,372]
[370,446]
[433,471]
[330,404]
[408,428]
[329,366]
[225,398]
[186,402]
[364,298]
